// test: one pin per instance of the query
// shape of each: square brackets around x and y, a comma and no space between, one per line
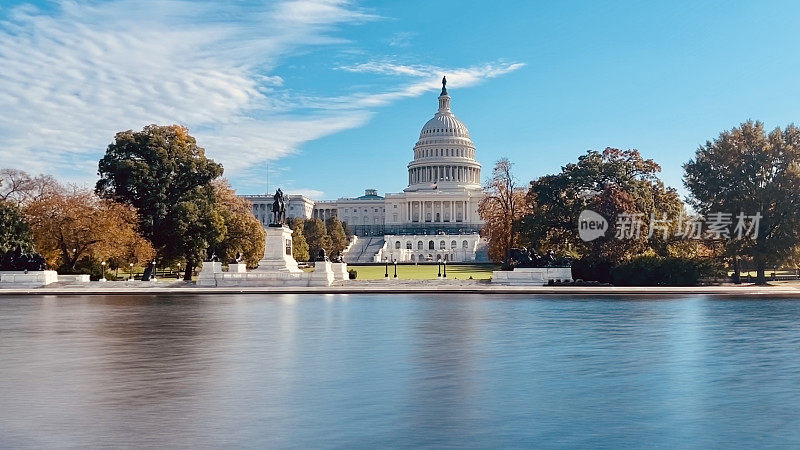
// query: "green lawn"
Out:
[426,272]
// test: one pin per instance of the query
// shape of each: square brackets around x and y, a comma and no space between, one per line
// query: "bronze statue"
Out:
[278,209]
[444,85]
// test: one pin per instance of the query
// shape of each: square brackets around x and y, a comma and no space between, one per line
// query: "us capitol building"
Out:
[434,218]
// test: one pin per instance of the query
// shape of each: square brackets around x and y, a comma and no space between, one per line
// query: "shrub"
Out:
[353,273]
[592,269]
[659,271]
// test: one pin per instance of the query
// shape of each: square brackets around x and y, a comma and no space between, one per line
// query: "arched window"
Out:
[453,244]
[441,245]
[431,245]
[419,245]
[465,244]
[397,245]
[413,257]
[408,245]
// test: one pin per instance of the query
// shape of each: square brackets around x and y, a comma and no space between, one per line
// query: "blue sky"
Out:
[332,94]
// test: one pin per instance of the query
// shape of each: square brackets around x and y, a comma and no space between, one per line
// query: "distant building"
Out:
[297,206]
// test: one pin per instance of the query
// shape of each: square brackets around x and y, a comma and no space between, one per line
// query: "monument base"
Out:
[532,275]
[278,252]
[276,268]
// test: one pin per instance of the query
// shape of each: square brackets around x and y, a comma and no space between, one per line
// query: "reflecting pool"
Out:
[388,371]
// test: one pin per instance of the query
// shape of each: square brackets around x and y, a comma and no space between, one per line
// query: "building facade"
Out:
[297,206]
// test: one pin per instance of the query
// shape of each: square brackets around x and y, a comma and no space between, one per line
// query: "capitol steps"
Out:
[364,249]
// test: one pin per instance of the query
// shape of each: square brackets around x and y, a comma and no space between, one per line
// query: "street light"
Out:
[445,269]
[395,268]
[130,272]
[153,277]
[386,268]
[439,266]
[104,271]
[179,270]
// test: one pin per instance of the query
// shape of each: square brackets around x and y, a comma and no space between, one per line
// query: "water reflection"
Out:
[397,371]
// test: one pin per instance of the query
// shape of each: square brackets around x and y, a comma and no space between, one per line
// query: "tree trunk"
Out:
[737,270]
[187,275]
[761,268]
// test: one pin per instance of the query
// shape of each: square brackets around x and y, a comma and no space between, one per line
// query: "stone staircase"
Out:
[364,249]
[482,252]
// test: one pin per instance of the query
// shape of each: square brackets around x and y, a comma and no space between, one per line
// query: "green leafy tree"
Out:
[14,230]
[317,237]
[610,183]
[337,234]
[745,170]
[299,244]
[165,175]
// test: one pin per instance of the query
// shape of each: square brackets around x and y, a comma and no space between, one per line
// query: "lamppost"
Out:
[386,267]
[153,277]
[395,268]
[439,266]
[104,271]
[130,272]
[179,271]
[444,275]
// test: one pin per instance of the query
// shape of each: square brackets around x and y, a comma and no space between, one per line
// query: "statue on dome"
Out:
[278,209]
[444,85]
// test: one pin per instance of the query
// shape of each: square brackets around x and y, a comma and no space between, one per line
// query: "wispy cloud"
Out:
[73,76]
[422,79]
[401,40]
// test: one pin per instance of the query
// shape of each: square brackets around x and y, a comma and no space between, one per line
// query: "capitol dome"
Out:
[444,156]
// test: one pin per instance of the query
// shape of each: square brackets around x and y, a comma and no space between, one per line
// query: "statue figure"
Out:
[444,85]
[236,259]
[18,260]
[522,257]
[278,209]
[321,256]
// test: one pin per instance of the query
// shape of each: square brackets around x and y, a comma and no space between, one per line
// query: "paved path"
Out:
[411,287]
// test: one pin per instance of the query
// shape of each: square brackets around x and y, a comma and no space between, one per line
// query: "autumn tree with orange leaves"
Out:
[503,205]
[69,224]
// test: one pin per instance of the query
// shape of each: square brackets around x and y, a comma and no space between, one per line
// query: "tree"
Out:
[14,231]
[747,171]
[338,237]
[165,175]
[610,183]
[73,223]
[243,232]
[503,205]
[20,188]
[317,237]
[299,244]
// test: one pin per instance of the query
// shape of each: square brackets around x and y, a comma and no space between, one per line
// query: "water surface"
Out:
[361,371]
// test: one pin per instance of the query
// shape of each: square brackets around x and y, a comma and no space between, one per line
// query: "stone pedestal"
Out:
[31,279]
[207,276]
[278,252]
[237,268]
[322,275]
[340,271]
